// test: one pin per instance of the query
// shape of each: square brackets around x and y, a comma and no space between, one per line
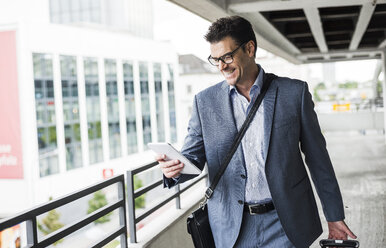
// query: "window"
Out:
[188,89]
[93,111]
[159,102]
[71,112]
[131,127]
[145,103]
[172,106]
[70,11]
[45,114]
[113,108]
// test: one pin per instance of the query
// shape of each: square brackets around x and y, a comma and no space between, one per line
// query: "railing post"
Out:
[122,212]
[32,234]
[131,206]
[178,198]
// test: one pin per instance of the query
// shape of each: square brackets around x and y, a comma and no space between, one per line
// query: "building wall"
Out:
[58,42]
[133,16]
[191,84]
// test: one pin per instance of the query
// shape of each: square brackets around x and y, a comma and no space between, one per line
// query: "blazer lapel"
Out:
[269,109]
[225,109]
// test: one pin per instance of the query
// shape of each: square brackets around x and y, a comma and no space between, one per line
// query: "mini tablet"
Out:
[171,153]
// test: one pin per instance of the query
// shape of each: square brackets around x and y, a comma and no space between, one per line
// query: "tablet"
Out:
[171,153]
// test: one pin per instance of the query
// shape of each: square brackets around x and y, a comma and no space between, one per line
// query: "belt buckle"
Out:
[250,208]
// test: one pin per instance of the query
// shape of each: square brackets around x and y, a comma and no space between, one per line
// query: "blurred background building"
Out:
[85,88]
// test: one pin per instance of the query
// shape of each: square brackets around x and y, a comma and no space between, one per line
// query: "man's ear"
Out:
[251,48]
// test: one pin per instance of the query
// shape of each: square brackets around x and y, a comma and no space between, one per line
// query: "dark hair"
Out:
[236,27]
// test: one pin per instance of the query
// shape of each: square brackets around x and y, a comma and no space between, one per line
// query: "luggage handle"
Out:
[338,243]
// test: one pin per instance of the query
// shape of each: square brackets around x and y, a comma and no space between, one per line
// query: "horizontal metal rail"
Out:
[146,189]
[133,194]
[30,216]
[171,197]
[144,168]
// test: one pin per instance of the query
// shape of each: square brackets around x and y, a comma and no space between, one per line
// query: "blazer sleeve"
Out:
[193,148]
[318,161]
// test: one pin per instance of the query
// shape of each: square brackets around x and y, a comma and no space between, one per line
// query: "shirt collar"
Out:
[256,85]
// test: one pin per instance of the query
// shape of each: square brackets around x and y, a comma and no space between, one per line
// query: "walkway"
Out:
[360,165]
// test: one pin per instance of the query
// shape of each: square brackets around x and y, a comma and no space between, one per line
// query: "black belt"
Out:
[254,209]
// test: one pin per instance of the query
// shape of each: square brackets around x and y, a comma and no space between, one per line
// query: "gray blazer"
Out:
[291,126]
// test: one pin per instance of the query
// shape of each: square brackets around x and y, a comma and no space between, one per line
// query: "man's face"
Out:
[234,72]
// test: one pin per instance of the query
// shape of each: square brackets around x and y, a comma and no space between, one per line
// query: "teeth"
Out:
[229,72]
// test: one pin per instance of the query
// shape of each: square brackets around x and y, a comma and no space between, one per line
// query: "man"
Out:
[264,198]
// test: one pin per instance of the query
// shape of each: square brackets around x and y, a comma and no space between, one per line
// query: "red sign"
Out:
[11,166]
[107,173]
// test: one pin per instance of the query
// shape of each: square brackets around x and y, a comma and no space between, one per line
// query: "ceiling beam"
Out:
[272,5]
[335,60]
[383,44]
[315,23]
[304,56]
[271,39]
[363,21]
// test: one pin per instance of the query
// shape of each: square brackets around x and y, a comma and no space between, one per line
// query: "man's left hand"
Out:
[339,230]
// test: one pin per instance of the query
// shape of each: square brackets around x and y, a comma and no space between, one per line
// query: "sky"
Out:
[186,31]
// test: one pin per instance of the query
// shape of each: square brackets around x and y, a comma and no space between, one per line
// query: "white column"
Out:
[28,125]
[59,113]
[384,90]
[138,110]
[178,92]
[153,116]
[121,104]
[165,96]
[102,98]
[82,111]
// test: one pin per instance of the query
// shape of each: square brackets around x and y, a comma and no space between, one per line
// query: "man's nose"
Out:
[221,65]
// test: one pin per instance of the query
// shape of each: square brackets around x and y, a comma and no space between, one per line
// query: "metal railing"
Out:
[133,194]
[30,217]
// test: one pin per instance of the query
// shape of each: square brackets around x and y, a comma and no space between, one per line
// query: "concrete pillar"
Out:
[384,89]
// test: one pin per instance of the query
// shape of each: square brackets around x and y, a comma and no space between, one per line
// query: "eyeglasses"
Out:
[226,58]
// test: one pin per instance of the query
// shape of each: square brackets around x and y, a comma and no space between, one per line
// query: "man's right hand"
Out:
[171,168]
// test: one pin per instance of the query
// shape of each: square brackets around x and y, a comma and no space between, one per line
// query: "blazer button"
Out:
[243,176]
[241,202]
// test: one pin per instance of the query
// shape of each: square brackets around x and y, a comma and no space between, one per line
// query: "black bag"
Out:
[199,228]
[198,221]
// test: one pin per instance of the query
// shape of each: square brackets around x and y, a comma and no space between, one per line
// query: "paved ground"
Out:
[360,164]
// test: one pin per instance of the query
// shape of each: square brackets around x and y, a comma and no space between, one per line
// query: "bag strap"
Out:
[268,78]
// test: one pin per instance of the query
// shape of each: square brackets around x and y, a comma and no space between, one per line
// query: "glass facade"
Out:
[45,114]
[113,108]
[131,128]
[69,11]
[172,105]
[93,110]
[159,104]
[145,103]
[71,112]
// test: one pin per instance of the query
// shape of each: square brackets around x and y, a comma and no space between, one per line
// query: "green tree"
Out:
[96,203]
[348,85]
[379,89]
[139,201]
[50,223]
[320,86]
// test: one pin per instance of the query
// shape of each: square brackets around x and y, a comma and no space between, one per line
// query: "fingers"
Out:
[348,232]
[160,157]
[339,230]
[171,168]
[173,171]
